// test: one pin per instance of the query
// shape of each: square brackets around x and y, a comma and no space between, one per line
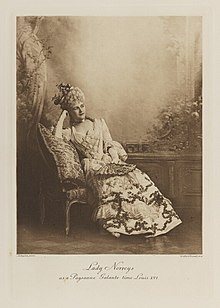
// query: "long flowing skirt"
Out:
[131,204]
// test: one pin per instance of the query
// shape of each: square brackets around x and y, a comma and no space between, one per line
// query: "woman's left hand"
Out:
[116,161]
[114,155]
[106,158]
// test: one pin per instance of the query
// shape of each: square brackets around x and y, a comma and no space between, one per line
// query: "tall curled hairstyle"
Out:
[67,95]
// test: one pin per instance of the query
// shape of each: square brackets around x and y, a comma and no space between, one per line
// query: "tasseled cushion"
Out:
[66,159]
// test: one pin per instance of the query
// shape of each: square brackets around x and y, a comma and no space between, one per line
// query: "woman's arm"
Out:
[59,126]
[114,155]
[114,148]
[108,146]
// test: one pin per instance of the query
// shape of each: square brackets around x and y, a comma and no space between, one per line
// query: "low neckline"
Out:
[82,134]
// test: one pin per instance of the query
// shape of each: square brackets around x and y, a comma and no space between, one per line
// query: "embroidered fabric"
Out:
[115,169]
[125,200]
[66,159]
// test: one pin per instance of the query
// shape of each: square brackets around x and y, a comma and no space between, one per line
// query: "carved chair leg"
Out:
[68,206]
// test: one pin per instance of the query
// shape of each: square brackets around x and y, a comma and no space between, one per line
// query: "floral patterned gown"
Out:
[125,200]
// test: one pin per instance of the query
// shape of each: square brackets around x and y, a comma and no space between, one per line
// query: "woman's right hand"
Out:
[64,114]
[59,126]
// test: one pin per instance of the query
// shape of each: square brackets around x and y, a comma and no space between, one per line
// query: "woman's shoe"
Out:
[149,234]
[116,234]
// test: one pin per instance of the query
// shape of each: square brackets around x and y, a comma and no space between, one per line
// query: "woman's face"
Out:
[77,112]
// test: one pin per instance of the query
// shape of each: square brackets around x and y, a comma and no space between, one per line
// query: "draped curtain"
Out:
[31,80]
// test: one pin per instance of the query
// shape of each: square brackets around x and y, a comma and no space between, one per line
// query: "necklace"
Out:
[78,122]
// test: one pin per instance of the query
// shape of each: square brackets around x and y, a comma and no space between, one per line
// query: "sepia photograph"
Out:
[109,135]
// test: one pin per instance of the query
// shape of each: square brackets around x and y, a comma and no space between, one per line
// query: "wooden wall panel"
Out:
[178,177]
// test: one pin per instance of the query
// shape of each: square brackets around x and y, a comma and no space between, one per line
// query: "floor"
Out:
[85,238]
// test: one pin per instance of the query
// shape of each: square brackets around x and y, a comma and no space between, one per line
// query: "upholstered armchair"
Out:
[62,177]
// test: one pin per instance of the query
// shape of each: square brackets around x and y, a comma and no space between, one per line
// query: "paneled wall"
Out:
[179,177]
[129,68]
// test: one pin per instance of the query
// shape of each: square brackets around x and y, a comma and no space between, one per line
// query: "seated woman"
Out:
[125,200]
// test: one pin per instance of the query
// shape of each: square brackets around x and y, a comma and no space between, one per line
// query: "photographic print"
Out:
[109,135]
